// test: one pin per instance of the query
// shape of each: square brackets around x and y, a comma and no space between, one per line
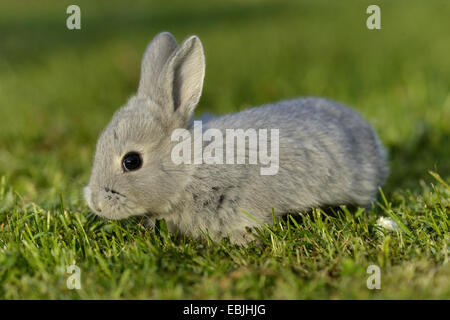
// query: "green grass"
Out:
[59,88]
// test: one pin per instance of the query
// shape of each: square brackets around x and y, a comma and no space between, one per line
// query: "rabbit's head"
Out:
[133,173]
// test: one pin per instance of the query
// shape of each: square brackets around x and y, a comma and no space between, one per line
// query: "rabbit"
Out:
[328,155]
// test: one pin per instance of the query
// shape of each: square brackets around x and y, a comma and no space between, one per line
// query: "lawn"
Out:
[59,88]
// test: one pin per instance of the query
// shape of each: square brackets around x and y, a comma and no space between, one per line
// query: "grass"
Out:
[59,88]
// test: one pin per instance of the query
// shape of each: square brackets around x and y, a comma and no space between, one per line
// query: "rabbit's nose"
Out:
[113,191]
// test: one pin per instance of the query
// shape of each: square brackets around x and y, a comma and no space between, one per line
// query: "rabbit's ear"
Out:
[182,79]
[155,57]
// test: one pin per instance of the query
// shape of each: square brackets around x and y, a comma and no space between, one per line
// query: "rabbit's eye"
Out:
[131,161]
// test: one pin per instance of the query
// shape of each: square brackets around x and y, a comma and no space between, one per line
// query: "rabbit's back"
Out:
[328,154]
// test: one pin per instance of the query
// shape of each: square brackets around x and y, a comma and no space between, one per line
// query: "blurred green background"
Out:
[60,87]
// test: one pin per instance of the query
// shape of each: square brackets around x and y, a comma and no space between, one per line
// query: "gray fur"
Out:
[329,155]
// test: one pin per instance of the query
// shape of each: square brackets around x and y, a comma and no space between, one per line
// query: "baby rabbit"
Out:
[328,155]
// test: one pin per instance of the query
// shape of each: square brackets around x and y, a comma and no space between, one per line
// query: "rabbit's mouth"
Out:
[111,204]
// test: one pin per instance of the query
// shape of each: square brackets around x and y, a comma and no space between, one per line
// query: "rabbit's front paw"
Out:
[244,238]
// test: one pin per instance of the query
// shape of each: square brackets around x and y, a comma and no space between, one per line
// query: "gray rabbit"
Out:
[328,155]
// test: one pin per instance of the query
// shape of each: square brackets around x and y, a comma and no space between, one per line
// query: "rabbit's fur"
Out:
[328,155]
